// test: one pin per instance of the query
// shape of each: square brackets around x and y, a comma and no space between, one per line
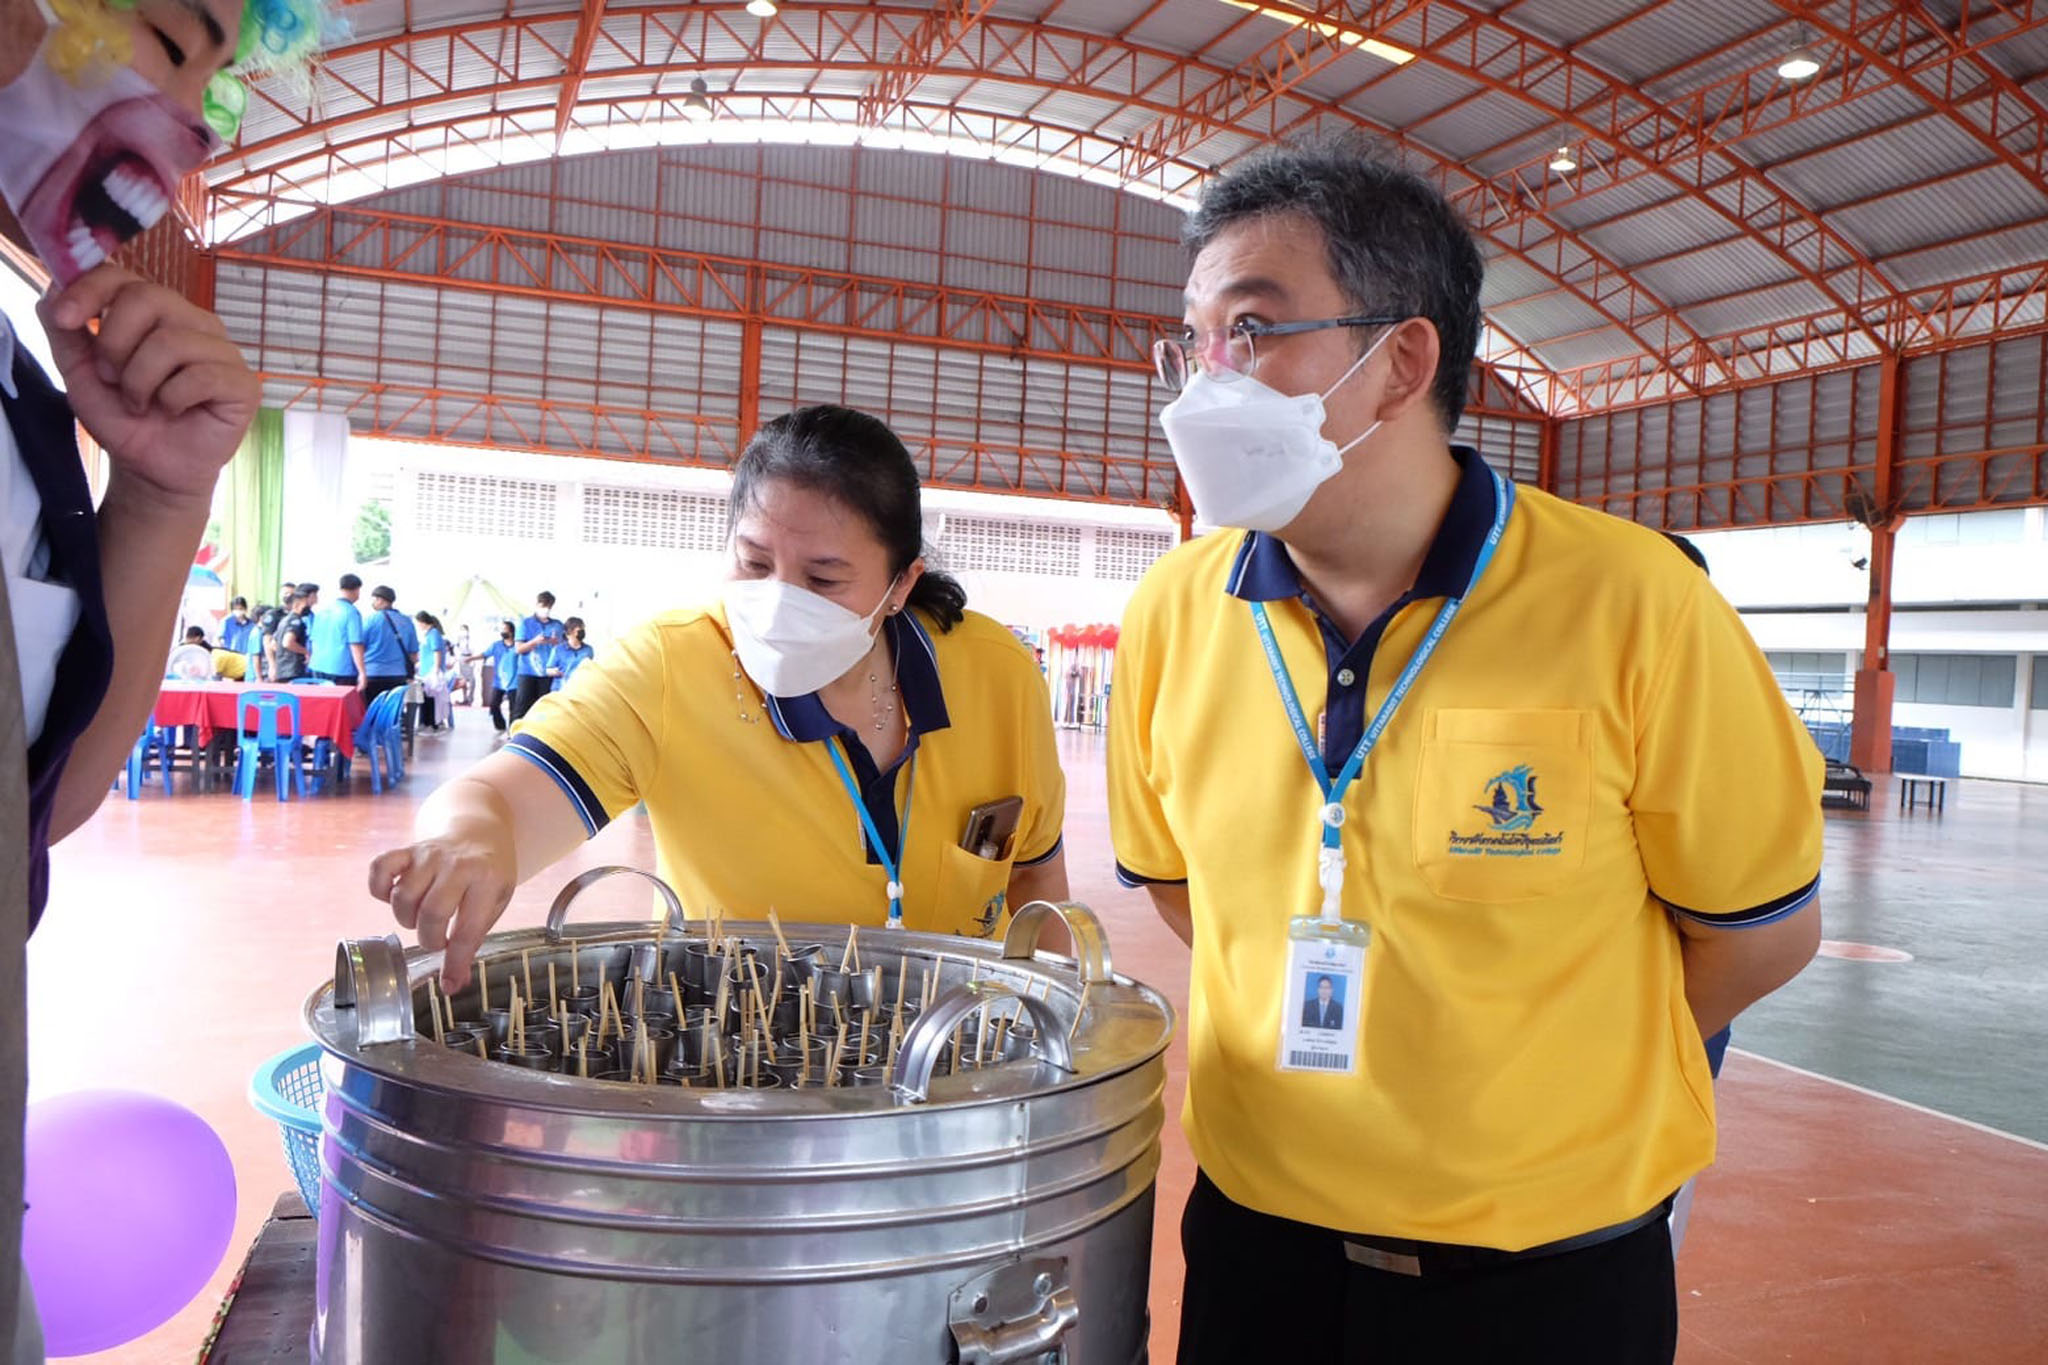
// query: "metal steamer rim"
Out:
[1087,1022]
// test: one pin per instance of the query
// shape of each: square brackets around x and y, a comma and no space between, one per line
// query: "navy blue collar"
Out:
[806,720]
[1263,571]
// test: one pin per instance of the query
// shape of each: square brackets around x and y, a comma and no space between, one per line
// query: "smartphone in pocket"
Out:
[990,826]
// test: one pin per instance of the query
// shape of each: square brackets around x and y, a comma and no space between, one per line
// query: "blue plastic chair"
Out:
[153,747]
[379,742]
[285,750]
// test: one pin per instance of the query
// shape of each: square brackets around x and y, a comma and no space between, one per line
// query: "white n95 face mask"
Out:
[792,641]
[1251,456]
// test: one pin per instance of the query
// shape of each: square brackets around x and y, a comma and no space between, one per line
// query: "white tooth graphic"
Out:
[131,192]
[85,249]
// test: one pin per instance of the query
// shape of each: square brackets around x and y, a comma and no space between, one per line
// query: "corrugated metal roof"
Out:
[886,211]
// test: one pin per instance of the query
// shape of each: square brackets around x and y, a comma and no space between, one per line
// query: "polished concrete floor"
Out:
[1882,1193]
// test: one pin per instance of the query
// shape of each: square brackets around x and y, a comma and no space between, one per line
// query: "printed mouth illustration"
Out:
[112,184]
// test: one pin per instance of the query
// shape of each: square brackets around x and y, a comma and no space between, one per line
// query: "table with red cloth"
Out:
[326,710]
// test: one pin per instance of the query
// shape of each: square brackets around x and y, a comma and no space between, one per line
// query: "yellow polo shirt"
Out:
[747,809]
[1596,745]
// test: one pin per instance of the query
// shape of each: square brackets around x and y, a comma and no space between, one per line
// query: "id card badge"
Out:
[1324,995]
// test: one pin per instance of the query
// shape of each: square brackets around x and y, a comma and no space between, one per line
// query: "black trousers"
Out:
[379,686]
[497,705]
[1265,1288]
[531,690]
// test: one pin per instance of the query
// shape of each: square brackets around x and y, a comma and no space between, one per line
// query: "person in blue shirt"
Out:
[538,636]
[433,669]
[502,675]
[391,647]
[337,642]
[239,632]
[569,654]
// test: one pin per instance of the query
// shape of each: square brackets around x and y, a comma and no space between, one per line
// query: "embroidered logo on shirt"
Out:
[1513,809]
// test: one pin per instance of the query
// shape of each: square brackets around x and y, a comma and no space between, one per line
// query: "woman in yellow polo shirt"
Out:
[818,741]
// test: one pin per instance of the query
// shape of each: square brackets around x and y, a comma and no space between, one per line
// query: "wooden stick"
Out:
[483,983]
[553,995]
[761,1001]
[480,1048]
[1003,1035]
[434,1009]
[866,1018]
[675,988]
[526,966]
[775,923]
[448,1008]
[639,997]
[832,1066]
[803,1026]
[575,967]
[718,1058]
[852,937]
[902,979]
[518,1031]
[583,1055]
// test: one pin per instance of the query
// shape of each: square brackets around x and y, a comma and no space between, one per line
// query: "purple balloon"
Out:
[131,1205]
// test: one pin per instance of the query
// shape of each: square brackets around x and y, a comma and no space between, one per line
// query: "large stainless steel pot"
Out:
[474,1212]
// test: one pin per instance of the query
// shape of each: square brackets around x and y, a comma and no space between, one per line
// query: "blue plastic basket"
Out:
[287,1088]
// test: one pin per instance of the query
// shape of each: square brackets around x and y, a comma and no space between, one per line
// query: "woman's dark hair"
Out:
[855,460]
[574,623]
[427,618]
[1394,243]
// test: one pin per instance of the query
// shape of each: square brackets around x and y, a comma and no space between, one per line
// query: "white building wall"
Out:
[1995,560]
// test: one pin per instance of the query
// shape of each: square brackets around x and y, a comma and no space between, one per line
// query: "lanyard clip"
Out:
[1330,875]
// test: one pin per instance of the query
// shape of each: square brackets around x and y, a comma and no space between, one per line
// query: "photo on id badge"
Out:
[1320,1027]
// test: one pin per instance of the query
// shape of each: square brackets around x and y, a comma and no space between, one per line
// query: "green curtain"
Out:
[255,512]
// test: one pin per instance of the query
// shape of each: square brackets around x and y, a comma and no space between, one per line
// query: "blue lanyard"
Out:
[1331,862]
[891,863]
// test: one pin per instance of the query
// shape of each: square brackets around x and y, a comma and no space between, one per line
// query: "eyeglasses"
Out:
[1227,353]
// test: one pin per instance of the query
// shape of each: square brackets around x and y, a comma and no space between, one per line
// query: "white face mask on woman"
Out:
[792,641]
[1250,455]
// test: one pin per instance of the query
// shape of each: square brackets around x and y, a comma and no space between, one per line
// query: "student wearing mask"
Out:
[539,634]
[569,655]
[238,633]
[156,383]
[291,661]
[501,672]
[1346,741]
[816,741]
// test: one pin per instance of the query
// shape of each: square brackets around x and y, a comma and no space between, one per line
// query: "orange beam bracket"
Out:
[578,65]
[1870,734]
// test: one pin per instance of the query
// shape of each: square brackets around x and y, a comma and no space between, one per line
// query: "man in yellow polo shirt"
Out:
[1500,778]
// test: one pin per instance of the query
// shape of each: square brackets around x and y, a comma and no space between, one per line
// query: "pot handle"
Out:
[919,1055]
[371,983]
[558,913]
[1091,945]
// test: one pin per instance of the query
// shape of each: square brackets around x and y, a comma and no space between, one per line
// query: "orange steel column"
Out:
[1546,460]
[750,379]
[1870,736]
[1183,512]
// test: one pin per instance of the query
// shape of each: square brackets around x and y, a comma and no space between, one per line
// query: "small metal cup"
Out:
[865,988]
[659,1000]
[462,1037]
[584,1000]
[831,988]
[532,1057]
[616,1077]
[662,1041]
[863,1076]
[699,971]
[767,1080]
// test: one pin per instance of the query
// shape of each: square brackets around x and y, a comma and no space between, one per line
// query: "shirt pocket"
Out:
[973,891]
[1502,803]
